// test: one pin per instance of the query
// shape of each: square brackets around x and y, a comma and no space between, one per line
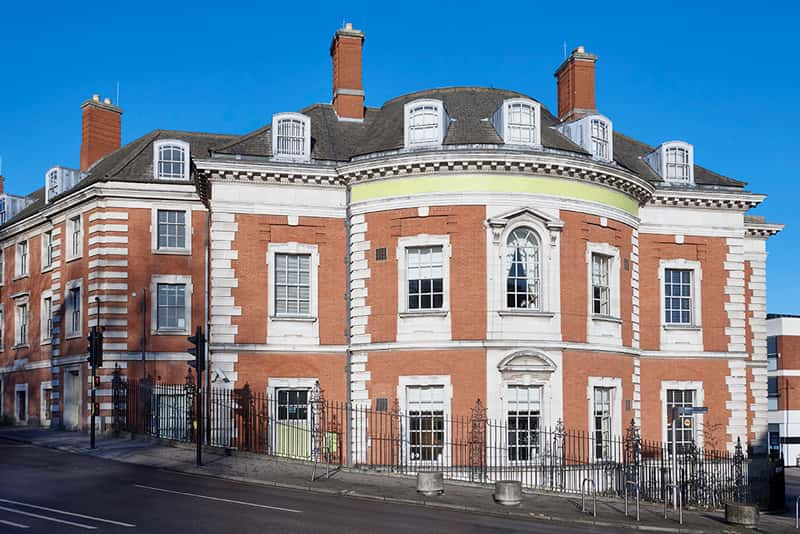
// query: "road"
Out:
[44,490]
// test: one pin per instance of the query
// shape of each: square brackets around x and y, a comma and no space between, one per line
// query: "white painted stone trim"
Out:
[301,329]
[186,280]
[682,337]
[599,328]
[187,210]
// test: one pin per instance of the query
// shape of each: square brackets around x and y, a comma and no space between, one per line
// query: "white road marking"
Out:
[62,512]
[62,521]
[243,503]
[12,524]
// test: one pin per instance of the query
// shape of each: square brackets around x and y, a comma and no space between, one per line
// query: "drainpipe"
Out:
[348,352]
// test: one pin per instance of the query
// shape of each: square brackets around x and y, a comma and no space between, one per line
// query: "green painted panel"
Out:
[458,183]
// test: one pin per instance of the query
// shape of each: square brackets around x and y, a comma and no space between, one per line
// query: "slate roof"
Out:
[470,110]
[333,140]
[130,163]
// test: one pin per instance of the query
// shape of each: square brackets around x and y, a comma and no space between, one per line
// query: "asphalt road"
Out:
[44,490]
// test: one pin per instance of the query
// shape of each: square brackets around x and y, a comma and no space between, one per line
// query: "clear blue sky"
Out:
[723,78]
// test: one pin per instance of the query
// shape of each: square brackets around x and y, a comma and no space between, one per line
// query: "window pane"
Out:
[292,284]
[425,274]
[522,269]
[678,305]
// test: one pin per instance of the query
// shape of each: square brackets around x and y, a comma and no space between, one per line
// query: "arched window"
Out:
[172,160]
[523,269]
[425,123]
[291,137]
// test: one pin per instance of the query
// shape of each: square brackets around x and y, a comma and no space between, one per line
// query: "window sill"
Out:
[423,313]
[606,319]
[173,251]
[46,342]
[21,346]
[293,318]
[47,269]
[684,327]
[73,258]
[73,335]
[169,333]
[525,313]
[21,276]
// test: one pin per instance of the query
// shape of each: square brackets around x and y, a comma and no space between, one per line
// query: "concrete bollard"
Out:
[745,515]
[430,483]
[508,492]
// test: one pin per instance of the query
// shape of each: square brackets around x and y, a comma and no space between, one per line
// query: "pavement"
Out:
[349,495]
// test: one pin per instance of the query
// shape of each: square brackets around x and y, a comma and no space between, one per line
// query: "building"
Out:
[450,245]
[783,379]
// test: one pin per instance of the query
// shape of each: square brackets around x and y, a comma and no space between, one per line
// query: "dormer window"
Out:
[291,137]
[517,122]
[425,123]
[2,210]
[593,133]
[59,180]
[53,184]
[171,160]
[674,162]
[600,139]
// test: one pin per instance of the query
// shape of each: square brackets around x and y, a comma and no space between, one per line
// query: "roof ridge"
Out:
[454,88]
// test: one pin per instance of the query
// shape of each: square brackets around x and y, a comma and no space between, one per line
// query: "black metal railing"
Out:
[471,448]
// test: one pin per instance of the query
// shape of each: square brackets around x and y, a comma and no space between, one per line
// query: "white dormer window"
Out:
[674,162]
[171,160]
[517,122]
[594,133]
[291,137]
[600,139]
[425,123]
[53,184]
[59,180]
[2,210]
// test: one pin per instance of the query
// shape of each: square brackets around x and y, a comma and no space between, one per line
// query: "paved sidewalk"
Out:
[382,487]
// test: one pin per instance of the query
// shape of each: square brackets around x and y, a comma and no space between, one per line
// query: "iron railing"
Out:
[471,448]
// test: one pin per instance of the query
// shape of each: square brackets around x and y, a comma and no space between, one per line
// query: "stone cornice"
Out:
[762,230]
[280,173]
[733,200]
[411,164]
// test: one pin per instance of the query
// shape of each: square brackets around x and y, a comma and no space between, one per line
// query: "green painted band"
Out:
[478,183]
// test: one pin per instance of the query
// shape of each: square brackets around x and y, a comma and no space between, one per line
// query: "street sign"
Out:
[692,410]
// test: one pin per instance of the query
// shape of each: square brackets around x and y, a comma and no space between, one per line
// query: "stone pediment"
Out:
[527,361]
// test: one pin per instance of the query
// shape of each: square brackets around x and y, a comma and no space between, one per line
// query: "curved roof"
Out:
[470,110]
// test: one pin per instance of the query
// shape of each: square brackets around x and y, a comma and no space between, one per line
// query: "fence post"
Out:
[477,442]
[558,457]
[188,388]
[738,467]
[317,423]
[116,392]
[244,403]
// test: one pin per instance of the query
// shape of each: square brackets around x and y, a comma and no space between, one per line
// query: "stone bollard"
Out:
[430,483]
[745,515]
[508,492]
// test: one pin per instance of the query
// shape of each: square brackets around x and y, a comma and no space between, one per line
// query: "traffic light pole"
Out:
[198,414]
[198,350]
[94,392]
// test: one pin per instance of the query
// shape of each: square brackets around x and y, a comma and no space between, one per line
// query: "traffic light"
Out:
[95,338]
[198,350]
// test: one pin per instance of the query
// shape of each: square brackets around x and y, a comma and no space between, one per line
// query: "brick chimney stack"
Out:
[348,88]
[101,130]
[576,85]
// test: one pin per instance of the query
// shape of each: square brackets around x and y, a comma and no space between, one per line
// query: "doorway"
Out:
[72,399]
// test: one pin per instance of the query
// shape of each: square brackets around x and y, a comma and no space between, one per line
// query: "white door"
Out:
[72,399]
[293,428]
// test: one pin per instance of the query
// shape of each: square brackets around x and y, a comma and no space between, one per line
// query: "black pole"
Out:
[94,378]
[198,417]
